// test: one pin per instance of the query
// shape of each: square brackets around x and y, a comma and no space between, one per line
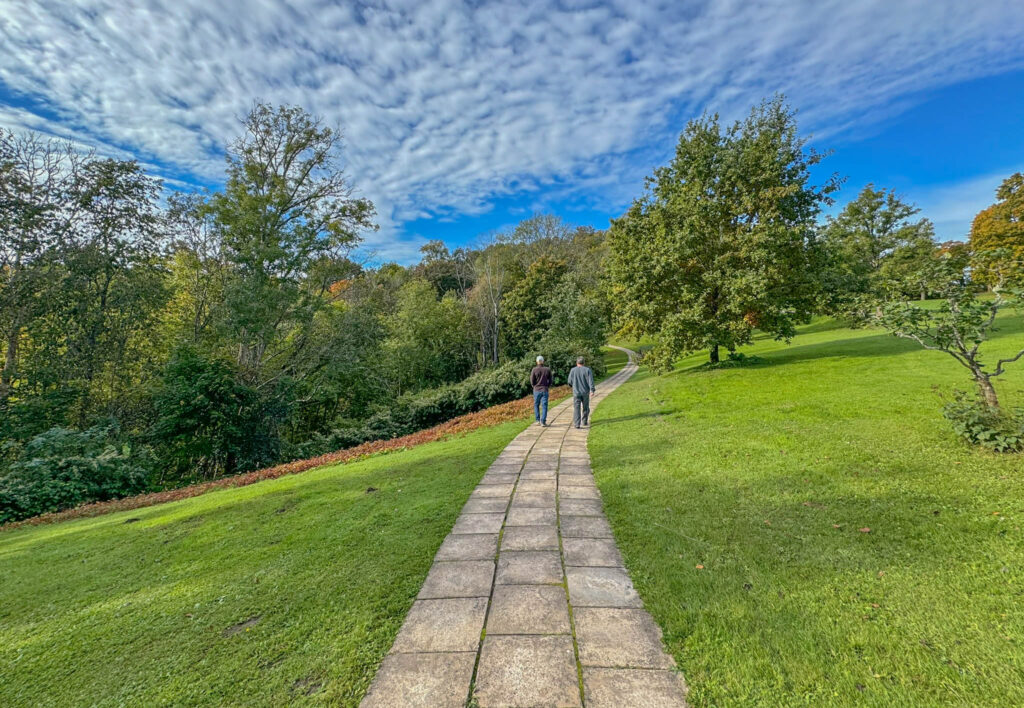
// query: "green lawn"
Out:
[287,591]
[765,476]
[614,361]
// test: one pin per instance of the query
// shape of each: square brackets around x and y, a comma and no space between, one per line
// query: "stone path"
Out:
[528,602]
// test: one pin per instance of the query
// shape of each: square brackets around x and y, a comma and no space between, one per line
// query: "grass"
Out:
[769,477]
[614,361]
[287,591]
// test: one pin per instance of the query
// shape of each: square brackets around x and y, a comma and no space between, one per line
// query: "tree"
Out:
[875,247]
[723,240]
[37,210]
[491,277]
[287,206]
[113,288]
[1000,227]
[528,306]
[431,341]
[958,327]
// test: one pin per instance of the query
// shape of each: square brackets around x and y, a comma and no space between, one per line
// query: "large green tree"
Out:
[723,241]
[286,213]
[877,249]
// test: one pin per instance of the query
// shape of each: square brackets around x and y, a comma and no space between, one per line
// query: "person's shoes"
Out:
[577,427]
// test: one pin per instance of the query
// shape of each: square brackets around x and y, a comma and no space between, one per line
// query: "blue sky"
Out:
[463,118]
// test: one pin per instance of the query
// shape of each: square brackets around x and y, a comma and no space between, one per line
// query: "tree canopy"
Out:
[723,241]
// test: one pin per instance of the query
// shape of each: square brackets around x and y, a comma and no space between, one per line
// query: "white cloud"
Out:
[447,106]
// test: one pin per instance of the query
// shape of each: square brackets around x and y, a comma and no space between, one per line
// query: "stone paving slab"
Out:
[529,568]
[537,485]
[452,624]
[458,579]
[534,499]
[464,547]
[619,638]
[492,490]
[636,688]
[601,587]
[591,552]
[527,672]
[530,538]
[580,507]
[531,565]
[484,506]
[498,478]
[528,609]
[520,516]
[585,527]
[427,680]
[479,523]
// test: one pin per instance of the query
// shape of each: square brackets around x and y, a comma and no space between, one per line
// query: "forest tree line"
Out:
[154,338]
[149,342]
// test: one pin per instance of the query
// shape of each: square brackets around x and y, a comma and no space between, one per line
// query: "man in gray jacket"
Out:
[581,379]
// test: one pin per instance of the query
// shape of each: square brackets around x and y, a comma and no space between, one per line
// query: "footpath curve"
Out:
[528,602]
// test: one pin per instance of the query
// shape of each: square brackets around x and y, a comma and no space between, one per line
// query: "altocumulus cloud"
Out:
[447,106]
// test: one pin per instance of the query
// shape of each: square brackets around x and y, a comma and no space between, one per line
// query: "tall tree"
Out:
[1000,228]
[37,210]
[287,206]
[876,247]
[723,240]
[528,306]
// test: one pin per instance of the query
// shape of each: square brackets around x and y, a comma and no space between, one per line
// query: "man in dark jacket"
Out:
[540,379]
[581,379]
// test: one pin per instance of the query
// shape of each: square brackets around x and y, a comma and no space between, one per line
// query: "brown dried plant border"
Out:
[489,417]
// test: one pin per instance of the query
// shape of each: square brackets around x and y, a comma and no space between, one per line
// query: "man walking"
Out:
[540,379]
[581,379]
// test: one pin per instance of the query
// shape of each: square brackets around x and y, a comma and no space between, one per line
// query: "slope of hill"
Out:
[284,591]
[807,530]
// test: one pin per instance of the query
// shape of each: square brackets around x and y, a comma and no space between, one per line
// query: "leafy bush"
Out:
[62,468]
[425,409]
[980,424]
[211,423]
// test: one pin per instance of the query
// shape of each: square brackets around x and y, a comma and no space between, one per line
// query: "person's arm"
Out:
[590,375]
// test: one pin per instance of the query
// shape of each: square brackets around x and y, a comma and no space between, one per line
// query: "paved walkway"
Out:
[528,602]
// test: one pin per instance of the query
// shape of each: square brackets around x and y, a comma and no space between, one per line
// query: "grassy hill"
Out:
[807,530]
[286,591]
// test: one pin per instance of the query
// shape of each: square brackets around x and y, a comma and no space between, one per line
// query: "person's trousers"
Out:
[540,406]
[580,409]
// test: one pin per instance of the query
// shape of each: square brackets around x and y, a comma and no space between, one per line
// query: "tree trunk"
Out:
[713,354]
[987,390]
[923,296]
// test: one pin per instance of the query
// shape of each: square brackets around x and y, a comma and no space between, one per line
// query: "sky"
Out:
[462,118]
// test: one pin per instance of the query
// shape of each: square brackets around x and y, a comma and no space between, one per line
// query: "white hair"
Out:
[540,360]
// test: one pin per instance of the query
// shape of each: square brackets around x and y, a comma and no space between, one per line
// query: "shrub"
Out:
[62,468]
[210,423]
[980,424]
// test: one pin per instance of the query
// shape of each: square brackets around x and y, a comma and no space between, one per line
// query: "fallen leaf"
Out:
[875,605]
[865,530]
[836,526]
[700,567]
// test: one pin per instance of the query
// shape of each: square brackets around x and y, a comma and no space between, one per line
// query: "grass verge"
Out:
[807,530]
